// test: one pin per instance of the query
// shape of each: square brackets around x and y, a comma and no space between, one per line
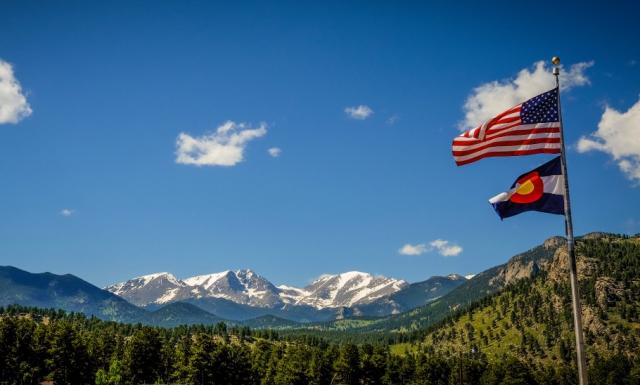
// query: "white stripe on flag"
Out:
[536,146]
[553,184]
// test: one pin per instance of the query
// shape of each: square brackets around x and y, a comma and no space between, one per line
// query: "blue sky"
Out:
[111,86]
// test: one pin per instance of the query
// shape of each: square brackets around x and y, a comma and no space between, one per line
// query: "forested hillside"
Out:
[531,319]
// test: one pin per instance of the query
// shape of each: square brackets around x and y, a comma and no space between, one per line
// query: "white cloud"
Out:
[490,99]
[360,112]
[445,248]
[441,246]
[409,249]
[67,212]
[13,104]
[274,151]
[618,135]
[393,119]
[224,147]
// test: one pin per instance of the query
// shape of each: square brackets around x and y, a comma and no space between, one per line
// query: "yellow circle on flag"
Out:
[526,188]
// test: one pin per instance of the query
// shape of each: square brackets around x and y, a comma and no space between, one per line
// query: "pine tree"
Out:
[202,368]
[69,357]
[347,366]
[142,355]
[292,369]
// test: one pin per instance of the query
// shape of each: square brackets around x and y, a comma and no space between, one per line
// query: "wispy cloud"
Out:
[67,212]
[360,112]
[618,135]
[13,104]
[274,151]
[489,99]
[446,248]
[410,249]
[441,246]
[393,119]
[224,147]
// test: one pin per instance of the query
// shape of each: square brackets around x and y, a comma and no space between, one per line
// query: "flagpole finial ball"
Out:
[555,60]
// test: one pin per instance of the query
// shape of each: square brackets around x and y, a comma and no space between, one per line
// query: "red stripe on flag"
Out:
[515,134]
[510,153]
[499,129]
[507,143]
[546,130]
[510,119]
[508,112]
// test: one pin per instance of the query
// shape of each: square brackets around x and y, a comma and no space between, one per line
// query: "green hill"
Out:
[180,313]
[268,322]
[531,318]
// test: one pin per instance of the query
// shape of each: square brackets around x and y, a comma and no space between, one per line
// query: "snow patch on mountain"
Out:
[206,281]
[347,289]
[168,296]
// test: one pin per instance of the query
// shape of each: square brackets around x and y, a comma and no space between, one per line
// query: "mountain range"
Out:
[244,294]
[244,297]
[240,296]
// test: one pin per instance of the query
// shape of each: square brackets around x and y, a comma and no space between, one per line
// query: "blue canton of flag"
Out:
[541,109]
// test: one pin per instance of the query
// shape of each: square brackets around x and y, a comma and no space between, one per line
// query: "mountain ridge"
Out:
[68,292]
[245,287]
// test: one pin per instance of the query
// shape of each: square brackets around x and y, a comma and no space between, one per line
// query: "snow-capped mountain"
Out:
[241,286]
[245,287]
[342,290]
[158,288]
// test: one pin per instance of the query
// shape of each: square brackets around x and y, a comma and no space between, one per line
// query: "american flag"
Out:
[532,127]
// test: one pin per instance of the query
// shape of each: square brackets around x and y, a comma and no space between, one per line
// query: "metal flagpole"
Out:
[575,295]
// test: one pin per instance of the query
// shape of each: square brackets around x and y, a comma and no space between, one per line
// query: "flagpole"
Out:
[573,274]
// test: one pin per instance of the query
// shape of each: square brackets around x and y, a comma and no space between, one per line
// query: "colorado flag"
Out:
[538,190]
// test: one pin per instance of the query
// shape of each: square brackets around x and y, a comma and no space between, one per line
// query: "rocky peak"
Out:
[553,242]
[249,279]
[456,277]
[529,263]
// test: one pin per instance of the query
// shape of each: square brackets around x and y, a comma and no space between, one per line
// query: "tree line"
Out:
[37,345]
